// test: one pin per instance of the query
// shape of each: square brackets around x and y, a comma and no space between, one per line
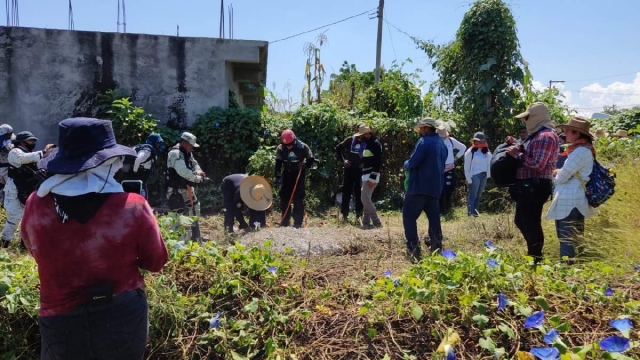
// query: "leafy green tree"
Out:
[482,70]
[398,93]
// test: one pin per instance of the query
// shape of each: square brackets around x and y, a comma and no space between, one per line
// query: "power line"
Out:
[392,46]
[600,92]
[400,30]
[603,77]
[323,26]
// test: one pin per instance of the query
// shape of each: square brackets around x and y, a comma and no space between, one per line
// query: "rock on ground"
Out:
[313,240]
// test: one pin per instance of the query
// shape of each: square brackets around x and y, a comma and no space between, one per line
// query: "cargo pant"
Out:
[14,211]
[369,211]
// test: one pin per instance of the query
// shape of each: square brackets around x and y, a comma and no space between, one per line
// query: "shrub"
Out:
[130,122]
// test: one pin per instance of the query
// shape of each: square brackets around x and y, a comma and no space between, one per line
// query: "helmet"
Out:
[288,137]
[24,136]
[5,129]
[154,139]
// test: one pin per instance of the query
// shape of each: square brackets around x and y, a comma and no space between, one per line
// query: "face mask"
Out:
[30,147]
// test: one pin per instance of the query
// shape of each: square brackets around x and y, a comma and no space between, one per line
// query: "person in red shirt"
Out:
[537,156]
[89,239]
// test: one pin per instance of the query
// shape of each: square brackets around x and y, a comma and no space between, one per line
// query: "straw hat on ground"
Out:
[578,124]
[256,193]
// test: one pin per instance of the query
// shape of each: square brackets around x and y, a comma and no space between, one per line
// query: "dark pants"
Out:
[413,206]
[447,191]
[231,196]
[569,230]
[352,185]
[530,197]
[288,183]
[115,331]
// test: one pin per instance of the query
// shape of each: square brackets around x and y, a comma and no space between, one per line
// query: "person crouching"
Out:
[240,191]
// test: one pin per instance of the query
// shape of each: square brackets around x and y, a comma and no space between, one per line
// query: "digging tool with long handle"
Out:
[195,227]
[293,193]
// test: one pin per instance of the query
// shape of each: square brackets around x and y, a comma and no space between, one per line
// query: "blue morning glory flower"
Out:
[272,269]
[546,353]
[534,320]
[396,282]
[215,321]
[636,268]
[615,344]
[492,263]
[217,124]
[608,292]
[387,273]
[551,337]
[451,354]
[502,301]
[449,254]
[315,142]
[622,325]
[489,245]
[266,132]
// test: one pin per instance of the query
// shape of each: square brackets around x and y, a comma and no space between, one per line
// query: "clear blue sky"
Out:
[584,42]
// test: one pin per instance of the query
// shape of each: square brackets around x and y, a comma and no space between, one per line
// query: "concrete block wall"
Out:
[49,75]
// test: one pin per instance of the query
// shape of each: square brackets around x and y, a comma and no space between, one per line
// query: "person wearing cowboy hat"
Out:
[426,178]
[6,144]
[455,150]
[23,180]
[90,239]
[537,157]
[621,134]
[240,191]
[183,172]
[570,206]
[350,153]
[600,133]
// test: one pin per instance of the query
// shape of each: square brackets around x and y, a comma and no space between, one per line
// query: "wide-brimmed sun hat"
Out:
[578,124]
[362,130]
[190,138]
[256,193]
[83,144]
[425,122]
[442,131]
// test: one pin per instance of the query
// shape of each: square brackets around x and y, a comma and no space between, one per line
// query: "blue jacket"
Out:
[426,166]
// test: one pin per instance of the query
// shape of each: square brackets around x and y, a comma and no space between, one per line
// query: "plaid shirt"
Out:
[540,156]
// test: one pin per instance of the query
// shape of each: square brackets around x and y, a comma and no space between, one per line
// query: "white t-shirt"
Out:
[476,164]
[452,145]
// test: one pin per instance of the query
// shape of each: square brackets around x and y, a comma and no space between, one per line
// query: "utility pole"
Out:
[379,42]
[551,82]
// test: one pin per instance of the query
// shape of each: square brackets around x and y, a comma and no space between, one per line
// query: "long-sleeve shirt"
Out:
[141,159]
[120,238]
[18,157]
[176,161]
[476,163]
[426,166]
[569,191]
[540,156]
[453,145]
[372,160]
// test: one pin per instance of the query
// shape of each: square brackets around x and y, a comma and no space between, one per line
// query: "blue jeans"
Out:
[413,206]
[568,230]
[478,183]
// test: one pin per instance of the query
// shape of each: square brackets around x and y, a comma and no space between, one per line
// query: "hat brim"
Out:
[58,163]
[581,131]
[364,133]
[523,115]
[245,193]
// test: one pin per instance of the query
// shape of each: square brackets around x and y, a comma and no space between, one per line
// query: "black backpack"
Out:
[503,167]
